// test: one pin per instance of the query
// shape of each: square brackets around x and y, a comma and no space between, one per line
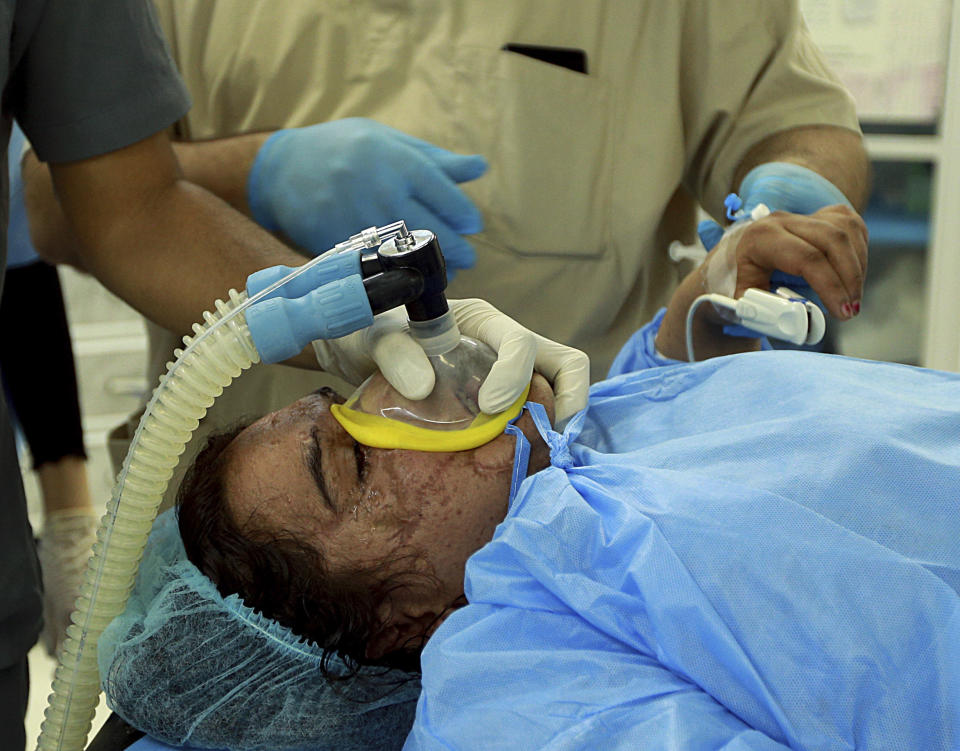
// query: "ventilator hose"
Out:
[218,353]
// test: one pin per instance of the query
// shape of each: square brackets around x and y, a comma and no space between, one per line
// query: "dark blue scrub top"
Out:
[82,77]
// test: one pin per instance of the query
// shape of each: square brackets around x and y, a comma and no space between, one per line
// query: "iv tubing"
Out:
[723,302]
[218,353]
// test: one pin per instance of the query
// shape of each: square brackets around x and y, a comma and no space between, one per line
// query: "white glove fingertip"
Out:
[511,372]
[567,405]
[568,370]
[504,385]
[495,398]
[404,364]
[412,380]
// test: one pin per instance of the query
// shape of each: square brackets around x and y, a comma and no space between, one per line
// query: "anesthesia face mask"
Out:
[406,270]
[449,419]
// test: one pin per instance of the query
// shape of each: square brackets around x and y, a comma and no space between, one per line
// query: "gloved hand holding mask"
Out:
[323,183]
[387,346]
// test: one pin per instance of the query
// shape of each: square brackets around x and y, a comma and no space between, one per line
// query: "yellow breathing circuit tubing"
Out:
[384,433]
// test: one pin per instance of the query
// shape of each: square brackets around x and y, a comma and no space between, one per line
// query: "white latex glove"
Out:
[386,346]
[519,353]
[63,549]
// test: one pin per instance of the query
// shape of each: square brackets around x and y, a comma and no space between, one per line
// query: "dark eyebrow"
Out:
[314,459]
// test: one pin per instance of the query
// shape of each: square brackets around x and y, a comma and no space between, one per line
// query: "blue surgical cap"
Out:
[191,667]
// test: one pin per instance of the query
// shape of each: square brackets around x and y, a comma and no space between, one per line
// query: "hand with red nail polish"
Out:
[828,249]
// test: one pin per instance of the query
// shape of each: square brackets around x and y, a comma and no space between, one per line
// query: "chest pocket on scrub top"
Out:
[545,131]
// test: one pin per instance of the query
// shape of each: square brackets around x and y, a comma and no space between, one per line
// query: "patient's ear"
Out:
[401,630]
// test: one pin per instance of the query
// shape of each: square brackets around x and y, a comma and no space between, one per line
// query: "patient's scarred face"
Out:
[298,469]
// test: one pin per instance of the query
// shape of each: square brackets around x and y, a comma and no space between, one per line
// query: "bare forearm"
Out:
[51,233]
[708,337]
[835,153]
[188,251]
[221,166]
[166,246]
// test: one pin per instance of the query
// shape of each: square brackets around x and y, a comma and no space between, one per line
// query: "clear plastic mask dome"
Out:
[454,402]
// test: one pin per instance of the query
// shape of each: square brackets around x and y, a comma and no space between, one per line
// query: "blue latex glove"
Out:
[788,187]
[780,186]
[323,183]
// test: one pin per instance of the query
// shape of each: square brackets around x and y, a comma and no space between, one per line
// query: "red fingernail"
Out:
[856,307]
[847,310]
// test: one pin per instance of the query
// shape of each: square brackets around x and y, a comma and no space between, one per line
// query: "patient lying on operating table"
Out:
[757,551]
[294,494]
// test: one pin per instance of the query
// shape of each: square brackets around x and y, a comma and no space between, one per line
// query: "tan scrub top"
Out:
[591,174]
[582,166]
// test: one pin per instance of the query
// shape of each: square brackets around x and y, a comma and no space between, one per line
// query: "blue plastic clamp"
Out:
[281,327]
[333,267]
[733,204]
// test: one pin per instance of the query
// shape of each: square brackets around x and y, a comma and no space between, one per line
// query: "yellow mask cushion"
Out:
[384,433]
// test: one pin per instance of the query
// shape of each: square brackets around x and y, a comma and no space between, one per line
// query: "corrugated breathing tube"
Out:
[213,357]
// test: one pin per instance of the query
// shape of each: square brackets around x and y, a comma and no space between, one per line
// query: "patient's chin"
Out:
[495,456]
[542,393]
[498,454]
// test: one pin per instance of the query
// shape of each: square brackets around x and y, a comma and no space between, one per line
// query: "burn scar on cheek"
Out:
[495,456]
[419,486]
[364,505]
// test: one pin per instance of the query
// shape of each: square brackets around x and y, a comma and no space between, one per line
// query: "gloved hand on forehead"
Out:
[386,346]
[323,183]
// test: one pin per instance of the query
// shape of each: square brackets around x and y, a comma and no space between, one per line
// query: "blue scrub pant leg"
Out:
[14,687]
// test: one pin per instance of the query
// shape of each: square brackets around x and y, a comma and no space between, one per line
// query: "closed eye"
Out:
[361,456]
[314,461]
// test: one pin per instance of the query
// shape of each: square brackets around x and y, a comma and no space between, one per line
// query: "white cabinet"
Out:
[939,327]
[941,336]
